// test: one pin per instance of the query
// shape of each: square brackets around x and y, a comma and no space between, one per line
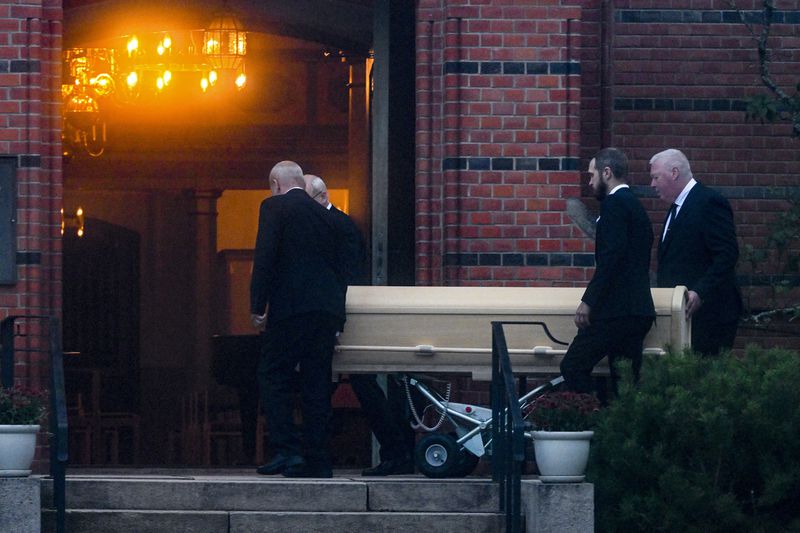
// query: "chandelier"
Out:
[143,68]
[88,78]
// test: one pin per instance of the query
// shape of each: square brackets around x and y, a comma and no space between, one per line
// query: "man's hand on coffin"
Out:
[582,315]
[693,303]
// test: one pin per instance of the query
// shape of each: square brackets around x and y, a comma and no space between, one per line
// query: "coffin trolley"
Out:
[411,330]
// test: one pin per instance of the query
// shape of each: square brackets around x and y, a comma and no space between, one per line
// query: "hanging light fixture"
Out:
[225,41]
[142,68]
[88,80]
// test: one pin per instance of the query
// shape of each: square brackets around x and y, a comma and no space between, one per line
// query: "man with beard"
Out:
[616,310]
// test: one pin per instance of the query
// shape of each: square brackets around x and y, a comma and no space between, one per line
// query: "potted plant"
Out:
[563,422]
[21,410]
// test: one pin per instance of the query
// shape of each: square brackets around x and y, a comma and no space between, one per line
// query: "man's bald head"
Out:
[316,189]
[284,176]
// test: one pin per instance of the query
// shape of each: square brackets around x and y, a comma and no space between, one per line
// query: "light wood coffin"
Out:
[448,329]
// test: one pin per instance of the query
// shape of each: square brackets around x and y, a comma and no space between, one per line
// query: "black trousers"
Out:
[385,414]
[708,339]
[306,340]
[616,337]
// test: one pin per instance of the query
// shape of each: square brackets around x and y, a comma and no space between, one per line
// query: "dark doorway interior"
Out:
[101,338]
[142,304]
[401,155]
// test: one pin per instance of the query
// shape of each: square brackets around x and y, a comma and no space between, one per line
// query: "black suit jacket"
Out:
[297,267]
[700,251]
[621,282]
[353,251]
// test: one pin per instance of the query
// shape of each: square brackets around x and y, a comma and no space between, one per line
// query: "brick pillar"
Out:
[31,125]
[30,136]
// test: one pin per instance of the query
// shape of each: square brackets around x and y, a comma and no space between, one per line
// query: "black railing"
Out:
[508,432]
[508,426]
[58,405]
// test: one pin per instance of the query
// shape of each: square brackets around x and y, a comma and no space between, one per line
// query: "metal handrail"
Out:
[508,431]
[58,406]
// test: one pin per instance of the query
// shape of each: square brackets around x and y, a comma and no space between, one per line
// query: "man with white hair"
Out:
[296,294]
[698,249]
[354,251]
[384,415]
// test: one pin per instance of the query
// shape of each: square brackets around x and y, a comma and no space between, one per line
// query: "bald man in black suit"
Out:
[297,295]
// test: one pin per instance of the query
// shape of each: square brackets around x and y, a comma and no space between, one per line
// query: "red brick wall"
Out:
[679,78]
[498,100]
[30,125]
[652,75]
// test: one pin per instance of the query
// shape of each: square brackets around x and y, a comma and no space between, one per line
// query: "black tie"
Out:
[673,212]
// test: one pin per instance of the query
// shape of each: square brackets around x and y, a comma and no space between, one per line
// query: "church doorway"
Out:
[168,176]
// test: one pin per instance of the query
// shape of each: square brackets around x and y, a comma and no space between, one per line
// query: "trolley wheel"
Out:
[467,463]
[437,455]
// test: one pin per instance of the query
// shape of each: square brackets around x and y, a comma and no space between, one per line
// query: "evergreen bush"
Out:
[702,445]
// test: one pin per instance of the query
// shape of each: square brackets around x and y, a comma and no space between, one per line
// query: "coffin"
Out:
[448,329]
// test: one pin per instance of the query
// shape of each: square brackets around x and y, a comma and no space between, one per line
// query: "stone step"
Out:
[259,493]
[139,521]
[244,501]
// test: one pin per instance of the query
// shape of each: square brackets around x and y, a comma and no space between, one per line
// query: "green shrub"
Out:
[702,445]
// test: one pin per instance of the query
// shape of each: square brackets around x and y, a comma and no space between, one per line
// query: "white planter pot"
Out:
[562,455]
[17,448]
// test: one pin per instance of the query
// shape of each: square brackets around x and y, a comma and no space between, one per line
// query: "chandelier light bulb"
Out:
[212,77]
[167,77]
[204,84]
[103,84]
[167,42]
[160,83]
[241,80]
[133,45]
[132,80]
[160,49]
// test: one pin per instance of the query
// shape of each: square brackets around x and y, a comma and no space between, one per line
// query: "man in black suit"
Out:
[616,310]
[384,414]
[296,294]
[698,249]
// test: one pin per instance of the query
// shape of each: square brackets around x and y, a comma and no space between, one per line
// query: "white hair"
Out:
[673,158]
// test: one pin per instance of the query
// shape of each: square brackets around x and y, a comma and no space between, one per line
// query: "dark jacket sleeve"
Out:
[264,258]
[610,247]
[719,236]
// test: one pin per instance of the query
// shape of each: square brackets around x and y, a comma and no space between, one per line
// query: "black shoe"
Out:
[279,463]
[391,467]
[306,470]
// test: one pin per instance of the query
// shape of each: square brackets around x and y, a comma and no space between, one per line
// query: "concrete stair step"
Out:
[255,493]
[211,502]
[140,521]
